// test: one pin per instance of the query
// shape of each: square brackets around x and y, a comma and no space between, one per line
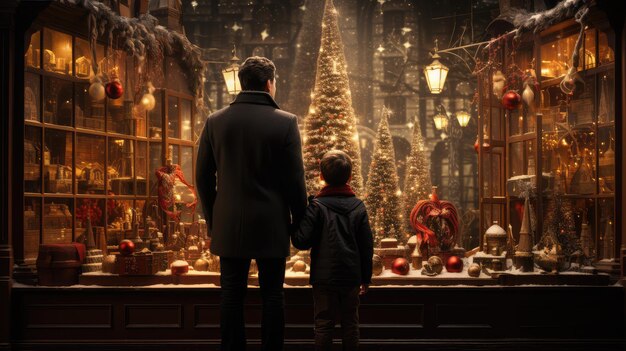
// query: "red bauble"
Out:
[511,100]
[400,266]
[114,89]
[454,264]
[486,145]
[126,247]
[476,145]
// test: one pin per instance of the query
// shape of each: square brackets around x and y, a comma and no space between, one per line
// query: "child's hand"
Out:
[364,289]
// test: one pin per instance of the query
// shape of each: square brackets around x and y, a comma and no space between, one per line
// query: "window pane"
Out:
[32,232]
[57,221]
[175,149]
[89,112]
[32,159]
[198,125]
[57,101]
[119,217]
[185,115]
[57,55]
[31,97]
[121,152]
[155,163]
[186,163]
[173,128]
[90,164]
[155,125]
[58,172]
[92,209]
[84,60]
[141,160]
[32,58]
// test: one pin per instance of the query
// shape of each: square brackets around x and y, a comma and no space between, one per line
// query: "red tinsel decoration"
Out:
[166,177]
[432,213]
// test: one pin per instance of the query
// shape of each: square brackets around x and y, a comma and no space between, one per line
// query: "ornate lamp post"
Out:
[231,75]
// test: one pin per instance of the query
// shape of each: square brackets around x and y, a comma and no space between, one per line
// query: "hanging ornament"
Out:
[498,81]
[476,145]
[511,100]
[147,100]
[96,89]
[114,89]
[528,95]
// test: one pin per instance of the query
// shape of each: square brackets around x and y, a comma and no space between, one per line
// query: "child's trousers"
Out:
[336,304]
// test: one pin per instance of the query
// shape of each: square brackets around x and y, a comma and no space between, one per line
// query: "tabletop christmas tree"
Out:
[331,123]
[417,183]
[382,193]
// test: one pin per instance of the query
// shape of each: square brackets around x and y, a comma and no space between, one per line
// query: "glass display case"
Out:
[559,143]
[86,158]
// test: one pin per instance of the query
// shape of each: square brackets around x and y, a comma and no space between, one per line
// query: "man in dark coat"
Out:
[250,179]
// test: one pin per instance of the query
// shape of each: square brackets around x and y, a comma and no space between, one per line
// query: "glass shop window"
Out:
[57,52]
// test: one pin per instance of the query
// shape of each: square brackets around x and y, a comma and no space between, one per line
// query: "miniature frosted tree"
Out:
[331,123]
[383,197]
[560,226]
[417,185]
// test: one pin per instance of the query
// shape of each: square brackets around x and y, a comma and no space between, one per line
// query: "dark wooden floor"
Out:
[418,318]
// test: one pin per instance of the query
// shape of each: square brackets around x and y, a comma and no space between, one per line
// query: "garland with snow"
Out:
[143,37]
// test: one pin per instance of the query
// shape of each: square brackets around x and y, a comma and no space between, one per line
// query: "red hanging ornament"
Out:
[454,264]
[511,100]
[126,247]
[476,145]
[114,89]
[400,266]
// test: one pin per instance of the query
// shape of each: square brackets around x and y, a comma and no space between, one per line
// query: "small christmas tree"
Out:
[331,123]
[417,185]
[383,194]
[560,227]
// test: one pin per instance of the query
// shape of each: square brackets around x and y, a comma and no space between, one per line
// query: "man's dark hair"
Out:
[255,72]
[336,167]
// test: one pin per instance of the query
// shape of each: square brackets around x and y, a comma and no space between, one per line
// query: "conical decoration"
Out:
[608,242]
[382,192]
[90,242]
[525,244]
[417,183]
[331,122]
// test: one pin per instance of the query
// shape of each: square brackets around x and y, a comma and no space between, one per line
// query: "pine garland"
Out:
[417,183]
[331,122]
[383,197]
[143,37]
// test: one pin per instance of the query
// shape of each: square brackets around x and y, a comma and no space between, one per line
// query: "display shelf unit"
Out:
[84,157]
[561,143]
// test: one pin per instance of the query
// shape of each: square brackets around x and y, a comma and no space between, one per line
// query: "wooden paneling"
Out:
[153,316]
[187,318]
[61,316]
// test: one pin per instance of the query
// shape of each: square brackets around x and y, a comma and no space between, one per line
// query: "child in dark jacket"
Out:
[336,229]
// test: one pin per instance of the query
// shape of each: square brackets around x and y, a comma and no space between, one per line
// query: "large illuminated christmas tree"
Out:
[383,197]
[330,122]
[417,185]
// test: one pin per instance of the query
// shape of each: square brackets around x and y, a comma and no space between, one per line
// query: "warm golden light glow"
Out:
[463,117]
[436,74]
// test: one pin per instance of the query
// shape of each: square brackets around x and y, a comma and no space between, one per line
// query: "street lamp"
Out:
[463,117]
[436,73]
[231,75]
[441,119]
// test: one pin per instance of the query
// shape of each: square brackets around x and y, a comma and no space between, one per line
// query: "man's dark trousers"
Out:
[234,281]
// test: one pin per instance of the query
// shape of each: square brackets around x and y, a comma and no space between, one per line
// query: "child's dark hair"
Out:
[336,167]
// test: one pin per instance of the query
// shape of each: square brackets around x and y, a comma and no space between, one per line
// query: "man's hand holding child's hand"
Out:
[364,289]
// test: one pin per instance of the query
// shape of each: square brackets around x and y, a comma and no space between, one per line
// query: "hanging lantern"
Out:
[436,74]
[441,121]
[463,117]
[231,75]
